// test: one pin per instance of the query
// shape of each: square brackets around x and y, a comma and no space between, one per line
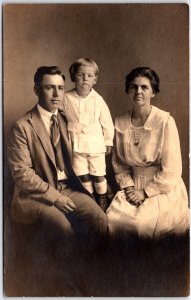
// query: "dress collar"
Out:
[155,117]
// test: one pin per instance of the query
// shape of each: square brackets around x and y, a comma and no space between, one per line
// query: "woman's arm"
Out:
[171,162]
[121,169]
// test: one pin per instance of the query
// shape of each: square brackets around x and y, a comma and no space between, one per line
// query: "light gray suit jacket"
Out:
[33,167]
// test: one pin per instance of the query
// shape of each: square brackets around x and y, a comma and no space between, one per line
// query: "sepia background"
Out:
[118,37]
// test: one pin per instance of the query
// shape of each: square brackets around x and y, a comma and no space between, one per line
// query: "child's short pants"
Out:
[85,163]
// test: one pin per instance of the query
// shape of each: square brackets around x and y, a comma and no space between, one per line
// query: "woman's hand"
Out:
[135,197]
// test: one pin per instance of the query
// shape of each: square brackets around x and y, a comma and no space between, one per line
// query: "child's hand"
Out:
[108,150]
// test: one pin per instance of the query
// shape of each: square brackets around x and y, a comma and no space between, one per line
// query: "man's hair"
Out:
[143,72]
[41,71]
[82,62]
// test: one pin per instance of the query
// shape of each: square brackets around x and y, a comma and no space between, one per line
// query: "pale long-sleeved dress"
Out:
[153,164]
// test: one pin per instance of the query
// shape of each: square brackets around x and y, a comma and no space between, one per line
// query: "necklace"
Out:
[137,131]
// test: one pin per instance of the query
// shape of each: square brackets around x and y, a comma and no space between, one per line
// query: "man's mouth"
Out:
[55,101]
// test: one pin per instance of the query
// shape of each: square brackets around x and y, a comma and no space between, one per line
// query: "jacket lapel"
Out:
[40,130]
[64,132]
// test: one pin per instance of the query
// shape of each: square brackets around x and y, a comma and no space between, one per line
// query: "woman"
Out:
[147,163]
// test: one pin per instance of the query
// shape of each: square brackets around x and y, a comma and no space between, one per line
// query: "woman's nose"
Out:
[138,90]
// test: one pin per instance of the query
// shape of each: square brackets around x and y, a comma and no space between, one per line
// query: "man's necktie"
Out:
[55,138]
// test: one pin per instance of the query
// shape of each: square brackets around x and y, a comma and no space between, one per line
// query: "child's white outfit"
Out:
[91,129]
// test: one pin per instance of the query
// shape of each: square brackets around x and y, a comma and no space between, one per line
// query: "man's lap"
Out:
[87,218]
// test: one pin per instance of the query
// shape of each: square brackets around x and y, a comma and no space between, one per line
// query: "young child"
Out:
[91,128]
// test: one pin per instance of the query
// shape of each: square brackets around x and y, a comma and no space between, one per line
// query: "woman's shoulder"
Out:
[123,121]
[157,117]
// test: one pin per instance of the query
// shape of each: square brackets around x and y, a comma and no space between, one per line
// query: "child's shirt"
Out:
[89,122]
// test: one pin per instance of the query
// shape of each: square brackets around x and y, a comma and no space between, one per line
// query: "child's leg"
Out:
[97,168]
[87,182]
[100,184]
[81,168]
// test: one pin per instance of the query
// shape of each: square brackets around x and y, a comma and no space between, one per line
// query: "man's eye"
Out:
[48,87]
[61,88]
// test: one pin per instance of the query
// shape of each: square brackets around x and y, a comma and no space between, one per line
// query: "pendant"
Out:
[136,143]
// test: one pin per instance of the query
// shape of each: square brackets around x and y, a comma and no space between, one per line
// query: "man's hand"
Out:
[64,204]
[108,150]
[135,197]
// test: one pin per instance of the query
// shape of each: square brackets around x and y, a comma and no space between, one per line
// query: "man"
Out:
[47,191]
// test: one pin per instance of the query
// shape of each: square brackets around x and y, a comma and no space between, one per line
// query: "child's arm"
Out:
[108,150]
[107,126]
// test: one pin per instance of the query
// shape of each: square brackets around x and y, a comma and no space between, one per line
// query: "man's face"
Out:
[50,92]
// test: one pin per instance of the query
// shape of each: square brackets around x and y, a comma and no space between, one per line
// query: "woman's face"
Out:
[140,91]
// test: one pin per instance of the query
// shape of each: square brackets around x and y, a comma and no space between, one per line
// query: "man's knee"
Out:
[90,213]
[54,222]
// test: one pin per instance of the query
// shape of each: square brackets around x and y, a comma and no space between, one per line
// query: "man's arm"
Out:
[23,173]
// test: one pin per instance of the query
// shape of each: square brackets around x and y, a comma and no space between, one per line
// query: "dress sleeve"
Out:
[171,162]
[121,169]
[107,124]
[22,170]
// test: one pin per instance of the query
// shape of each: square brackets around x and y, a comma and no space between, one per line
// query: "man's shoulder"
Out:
[28,115]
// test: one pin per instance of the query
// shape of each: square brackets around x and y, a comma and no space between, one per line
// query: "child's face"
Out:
[85,78]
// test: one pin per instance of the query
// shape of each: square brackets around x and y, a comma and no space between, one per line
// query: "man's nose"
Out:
[56,92]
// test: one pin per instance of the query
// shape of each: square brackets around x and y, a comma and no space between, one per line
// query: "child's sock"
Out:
[101,190]
[88,186]
[101,187]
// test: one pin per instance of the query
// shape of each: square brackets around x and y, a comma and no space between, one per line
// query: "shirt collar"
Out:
[92,92]
[45,114]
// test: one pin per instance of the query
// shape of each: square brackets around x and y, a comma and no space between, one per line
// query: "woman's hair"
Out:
[143,72]
[82,62]
[41,71]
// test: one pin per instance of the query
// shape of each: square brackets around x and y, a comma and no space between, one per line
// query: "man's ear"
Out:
[153,95]
[36,90]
